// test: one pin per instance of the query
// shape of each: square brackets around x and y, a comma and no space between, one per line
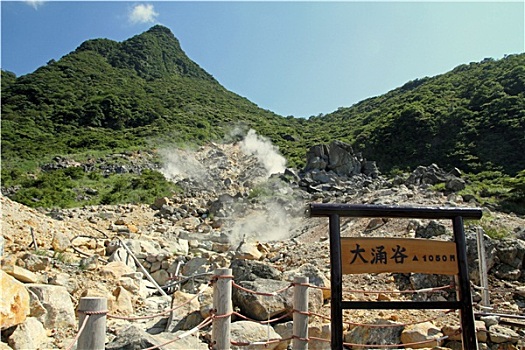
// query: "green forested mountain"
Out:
[109,96]
[472,117]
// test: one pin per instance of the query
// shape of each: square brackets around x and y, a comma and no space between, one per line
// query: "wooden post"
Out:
[336,281]
[300,320]
[222,304]
[93,336]
[483,276]
[468,329]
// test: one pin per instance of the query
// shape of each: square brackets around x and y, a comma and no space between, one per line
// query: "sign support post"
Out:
[439,257]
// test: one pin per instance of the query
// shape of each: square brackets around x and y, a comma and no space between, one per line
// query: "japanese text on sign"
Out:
[370,254]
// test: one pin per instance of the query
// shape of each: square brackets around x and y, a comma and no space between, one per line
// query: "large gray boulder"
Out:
[342,159]
[264,307]
[511,255]
[339,158]
[249,270]
[390,334]
[56,301]
[251,332]
[29,335]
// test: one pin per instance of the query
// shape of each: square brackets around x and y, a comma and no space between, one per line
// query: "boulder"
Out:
[196,266]
[263,307]
[454,184]
[454,332]
[249,270]
[375,335]
[185,343]
[338,157]
[21,274]
[60,242]
[248,250]
[315,277]
[422,332]
[34,262]
[511,254]
[433,229]
[60,312]
[317,330]
[162,277]
[115,269]
[251,332]
[132,338]
[123,304]
[29,335]
[14,303]
[342,160]
[122,255]
[190,302]
[500,334]
[159,202]
[65,280]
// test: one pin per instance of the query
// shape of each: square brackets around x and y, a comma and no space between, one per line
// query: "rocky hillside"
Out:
[106,98]
[241,208]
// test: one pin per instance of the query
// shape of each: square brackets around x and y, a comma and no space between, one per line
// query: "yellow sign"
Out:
[402,255]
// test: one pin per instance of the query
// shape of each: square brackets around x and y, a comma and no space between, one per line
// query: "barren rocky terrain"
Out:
[233,213]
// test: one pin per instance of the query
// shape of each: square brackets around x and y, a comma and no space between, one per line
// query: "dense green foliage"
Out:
[112,96]
[68,188]
[472,118]
[144,92]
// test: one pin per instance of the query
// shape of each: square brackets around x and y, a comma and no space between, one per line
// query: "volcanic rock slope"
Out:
[232,212]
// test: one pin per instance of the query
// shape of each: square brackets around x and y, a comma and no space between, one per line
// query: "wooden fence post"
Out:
[93,336]
[222,304]
[300,319]
[483,276]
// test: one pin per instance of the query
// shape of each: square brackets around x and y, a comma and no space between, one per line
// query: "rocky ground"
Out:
[233,214]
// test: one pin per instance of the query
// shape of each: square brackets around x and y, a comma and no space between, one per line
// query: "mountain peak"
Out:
[154,54]
[160,29]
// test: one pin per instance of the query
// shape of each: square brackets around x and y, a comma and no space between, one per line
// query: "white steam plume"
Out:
[264,151]
[179,164]
[270,224]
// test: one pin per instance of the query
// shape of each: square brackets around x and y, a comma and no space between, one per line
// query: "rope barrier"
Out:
[78,333]
[213,316]
[265,343]
[134,318]
[216,277]
[221,316]
[200,326]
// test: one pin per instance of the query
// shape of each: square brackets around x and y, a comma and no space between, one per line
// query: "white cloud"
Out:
[34,3]
[143,13]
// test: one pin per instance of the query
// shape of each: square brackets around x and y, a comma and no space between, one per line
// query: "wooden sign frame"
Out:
[464,298]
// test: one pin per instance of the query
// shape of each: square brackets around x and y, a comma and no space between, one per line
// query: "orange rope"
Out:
[201,325]
[134,318]
[79,332]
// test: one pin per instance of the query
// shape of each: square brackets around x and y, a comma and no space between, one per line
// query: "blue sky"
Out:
[293,58]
